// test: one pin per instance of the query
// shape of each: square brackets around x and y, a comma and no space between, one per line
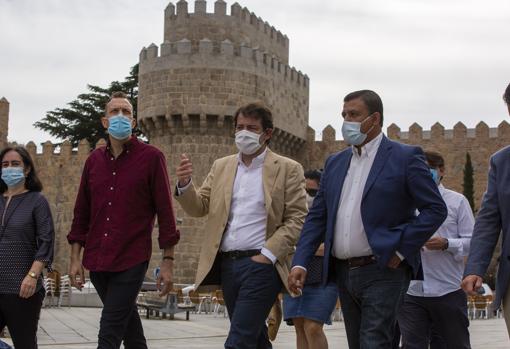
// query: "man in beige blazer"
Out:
[256,204]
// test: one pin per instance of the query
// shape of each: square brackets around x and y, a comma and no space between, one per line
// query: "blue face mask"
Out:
[12,176]
[119,127]
[351,131]
[435,175]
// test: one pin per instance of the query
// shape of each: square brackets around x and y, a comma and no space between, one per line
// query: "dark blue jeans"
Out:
[120,320]
[370,297]
[441,322]
[249,290]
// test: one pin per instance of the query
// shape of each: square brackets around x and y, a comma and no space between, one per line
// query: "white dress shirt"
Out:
[350,239]
[442,270]
[247,220]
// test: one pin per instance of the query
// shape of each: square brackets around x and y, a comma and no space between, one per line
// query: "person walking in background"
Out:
[493,221]
[310,311]
[123,187]
[256,204]
[434,311]
[27,239]
[365,212]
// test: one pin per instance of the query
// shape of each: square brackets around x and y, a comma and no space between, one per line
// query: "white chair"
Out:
[50,287]
[65,290]
[219,303]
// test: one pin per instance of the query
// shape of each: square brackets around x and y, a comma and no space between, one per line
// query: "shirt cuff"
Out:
[298,266]
[181,190]
[400,256]
[268,254]
[456,248]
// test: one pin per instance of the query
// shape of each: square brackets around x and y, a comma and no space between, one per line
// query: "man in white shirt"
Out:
[256,203]
[365,213]
[434,311]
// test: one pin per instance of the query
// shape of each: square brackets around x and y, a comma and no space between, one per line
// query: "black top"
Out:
[26,234]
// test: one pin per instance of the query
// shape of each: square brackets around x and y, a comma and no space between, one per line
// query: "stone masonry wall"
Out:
[60,171]
[4,121]
[216,79]
[189,88]
[239,27]
[479,142]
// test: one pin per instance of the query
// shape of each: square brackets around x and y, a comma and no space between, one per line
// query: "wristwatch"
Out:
[446,245]
[32,274]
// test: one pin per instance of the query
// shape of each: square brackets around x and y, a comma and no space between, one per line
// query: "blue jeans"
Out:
[370,297]
[4,345]
[249,290]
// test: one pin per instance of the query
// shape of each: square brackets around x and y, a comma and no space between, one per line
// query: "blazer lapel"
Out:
[337,180]
[269,174]
[379,161]
[229,177]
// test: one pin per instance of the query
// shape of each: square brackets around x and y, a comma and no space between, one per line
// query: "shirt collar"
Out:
[369,149]
[441,188]
[129,145]
[256,162]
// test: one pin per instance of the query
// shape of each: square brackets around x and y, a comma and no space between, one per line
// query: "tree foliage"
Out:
[81,118]
[468,183]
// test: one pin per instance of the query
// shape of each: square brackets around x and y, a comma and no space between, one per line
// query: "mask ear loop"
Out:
[370,129]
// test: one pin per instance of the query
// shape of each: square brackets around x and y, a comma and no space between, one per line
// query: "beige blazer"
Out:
[285,202]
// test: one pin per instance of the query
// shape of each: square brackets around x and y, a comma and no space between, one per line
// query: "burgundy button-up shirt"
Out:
[116,206]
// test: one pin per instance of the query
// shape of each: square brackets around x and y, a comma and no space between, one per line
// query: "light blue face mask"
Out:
[12,176]
[119,127]
[435,176]
[351,131]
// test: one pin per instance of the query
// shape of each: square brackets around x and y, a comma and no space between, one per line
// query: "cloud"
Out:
[430,60]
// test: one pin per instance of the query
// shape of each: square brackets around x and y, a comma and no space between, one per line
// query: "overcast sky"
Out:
[430,60]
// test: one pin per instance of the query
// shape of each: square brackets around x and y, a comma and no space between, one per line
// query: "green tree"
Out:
[81,118]
[468,184]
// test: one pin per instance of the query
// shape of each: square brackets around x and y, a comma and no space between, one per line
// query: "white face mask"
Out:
[248,142]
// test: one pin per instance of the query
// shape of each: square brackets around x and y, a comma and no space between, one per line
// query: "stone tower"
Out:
[190,87]
[4,122]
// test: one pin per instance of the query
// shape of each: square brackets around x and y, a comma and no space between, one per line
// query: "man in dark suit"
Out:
[365,212]
[493,219]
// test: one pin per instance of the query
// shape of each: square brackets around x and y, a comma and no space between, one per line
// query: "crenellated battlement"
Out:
[62,150]
[218,54]
[437,133]
[239,26]
[192,123]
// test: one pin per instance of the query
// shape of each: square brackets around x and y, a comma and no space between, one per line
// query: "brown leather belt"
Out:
[357,262]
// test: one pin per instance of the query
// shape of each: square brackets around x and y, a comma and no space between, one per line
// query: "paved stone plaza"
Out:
[76,328]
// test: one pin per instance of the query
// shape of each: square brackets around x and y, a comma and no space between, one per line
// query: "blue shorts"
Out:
[316,303]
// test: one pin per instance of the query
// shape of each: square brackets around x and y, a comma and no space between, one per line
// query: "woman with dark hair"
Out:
[26,246]
[313,308]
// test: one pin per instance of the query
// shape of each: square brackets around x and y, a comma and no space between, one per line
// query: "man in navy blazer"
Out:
[366,214]
[493,219]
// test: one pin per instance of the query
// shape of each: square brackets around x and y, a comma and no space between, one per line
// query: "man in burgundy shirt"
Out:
[123,187]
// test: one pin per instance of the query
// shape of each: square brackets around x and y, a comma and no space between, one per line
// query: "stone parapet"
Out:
[239,26]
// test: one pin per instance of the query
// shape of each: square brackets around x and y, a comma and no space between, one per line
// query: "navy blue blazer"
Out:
[398,184]
[492,220]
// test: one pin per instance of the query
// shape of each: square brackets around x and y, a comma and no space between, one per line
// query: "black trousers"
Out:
[21,316]
[440,322]
[119,319]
